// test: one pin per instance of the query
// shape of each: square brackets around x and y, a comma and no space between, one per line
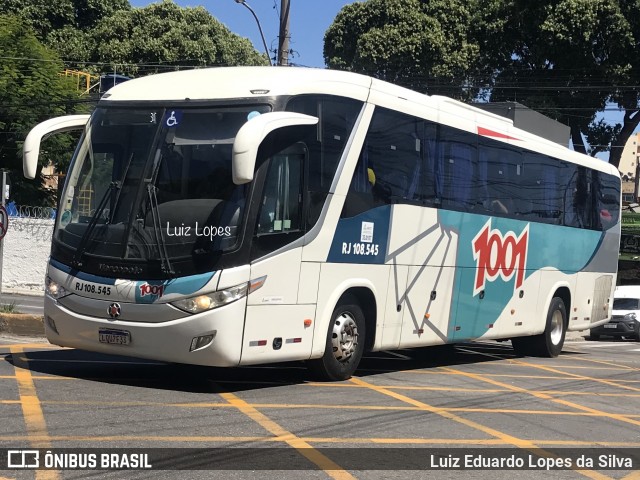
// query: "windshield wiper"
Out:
[77,256]
[165,263]
[114,185]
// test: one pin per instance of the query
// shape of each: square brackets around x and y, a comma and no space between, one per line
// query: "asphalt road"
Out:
[33,305]
[394,415]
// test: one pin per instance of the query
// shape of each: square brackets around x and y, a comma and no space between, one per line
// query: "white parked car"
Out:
[625,321]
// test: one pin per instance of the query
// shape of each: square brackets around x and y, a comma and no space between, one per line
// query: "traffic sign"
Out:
[4,221]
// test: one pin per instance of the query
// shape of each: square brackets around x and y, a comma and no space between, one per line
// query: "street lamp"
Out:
[243,2]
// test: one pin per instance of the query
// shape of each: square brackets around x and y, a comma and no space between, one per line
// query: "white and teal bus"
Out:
[238,216]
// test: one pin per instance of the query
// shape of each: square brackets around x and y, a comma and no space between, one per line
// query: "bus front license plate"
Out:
[114,337]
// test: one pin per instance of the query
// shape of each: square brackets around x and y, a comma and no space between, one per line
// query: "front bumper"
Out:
[618,328]
[167,341]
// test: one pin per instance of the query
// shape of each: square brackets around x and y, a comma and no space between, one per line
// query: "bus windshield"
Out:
[154,184]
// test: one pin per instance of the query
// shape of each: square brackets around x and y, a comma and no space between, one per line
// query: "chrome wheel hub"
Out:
[557,327]
[344,338]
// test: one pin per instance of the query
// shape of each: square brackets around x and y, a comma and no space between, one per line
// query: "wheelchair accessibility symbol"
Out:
[172,118]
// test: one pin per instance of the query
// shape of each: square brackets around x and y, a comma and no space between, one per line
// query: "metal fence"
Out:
[35,221]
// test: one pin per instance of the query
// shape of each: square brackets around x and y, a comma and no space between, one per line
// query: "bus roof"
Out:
[240,82]
[255,82]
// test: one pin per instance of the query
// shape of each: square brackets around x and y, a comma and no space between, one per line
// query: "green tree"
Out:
[64,25]
[568,59]
[423,45]
[98,34]
[31,90]
[49,17]
[150,39]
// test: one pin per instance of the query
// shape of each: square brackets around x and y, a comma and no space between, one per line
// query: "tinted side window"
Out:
[543,186]
[606,199]
[325,145]
[499,178]
[578,200]
[456,169]
[394,165]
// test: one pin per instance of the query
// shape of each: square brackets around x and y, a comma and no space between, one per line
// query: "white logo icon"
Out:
[172,121]
[23,459]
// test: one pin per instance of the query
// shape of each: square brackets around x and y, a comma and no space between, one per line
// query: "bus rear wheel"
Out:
[344,345]
[549,343]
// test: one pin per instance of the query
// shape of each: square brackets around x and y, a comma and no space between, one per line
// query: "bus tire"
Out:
[549,343]
[344,345]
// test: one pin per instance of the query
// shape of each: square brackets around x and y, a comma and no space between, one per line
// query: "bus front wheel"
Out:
[344,345]
[549,343]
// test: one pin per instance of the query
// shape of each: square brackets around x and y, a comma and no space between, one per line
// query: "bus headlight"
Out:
[217,299]
[54,289]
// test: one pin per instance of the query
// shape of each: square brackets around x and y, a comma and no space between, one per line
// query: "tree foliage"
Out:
[49,17]
[424,45]
[568,59]
[31,90]
[98,35]
[94,36]
[164,34]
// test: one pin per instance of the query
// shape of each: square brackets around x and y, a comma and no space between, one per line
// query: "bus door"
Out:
[275,326]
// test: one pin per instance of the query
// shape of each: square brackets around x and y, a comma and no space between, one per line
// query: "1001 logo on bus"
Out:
[499,255]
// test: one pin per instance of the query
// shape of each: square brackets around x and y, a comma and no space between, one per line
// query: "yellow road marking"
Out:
[602,362]
[554,370]
[588,394]
[544,396]
[509,439]
[29,345]
[579,377]
[435,389]
[480,390]
[284,406]
[304,448]
[39,377]
[515,363]
[510,375]
[31,409]
[322,440]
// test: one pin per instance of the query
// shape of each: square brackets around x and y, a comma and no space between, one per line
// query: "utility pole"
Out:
[283,37]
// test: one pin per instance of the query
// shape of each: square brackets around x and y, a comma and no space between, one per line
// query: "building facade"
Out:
[629,168]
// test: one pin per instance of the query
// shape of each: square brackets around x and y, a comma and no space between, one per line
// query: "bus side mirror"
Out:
[31,147]
[251,135]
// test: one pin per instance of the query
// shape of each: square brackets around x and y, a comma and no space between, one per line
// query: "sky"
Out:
[309,20]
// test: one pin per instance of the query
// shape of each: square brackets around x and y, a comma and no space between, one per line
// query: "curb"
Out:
[29,292]
[22,324]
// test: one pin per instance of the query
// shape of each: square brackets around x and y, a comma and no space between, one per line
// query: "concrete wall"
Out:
[26,251]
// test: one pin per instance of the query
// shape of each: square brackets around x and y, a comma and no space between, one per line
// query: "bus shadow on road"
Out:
[130,371]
